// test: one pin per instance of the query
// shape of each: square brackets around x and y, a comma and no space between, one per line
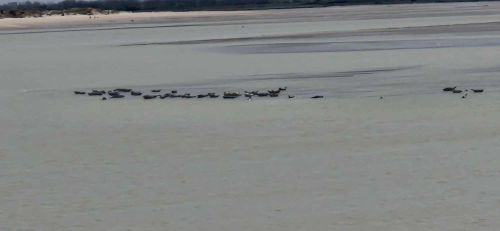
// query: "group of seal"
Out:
[459,91]
[113,94]
[157,93]
[249,94]
[174,94]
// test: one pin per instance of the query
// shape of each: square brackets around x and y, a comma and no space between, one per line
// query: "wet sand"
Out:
[417,159]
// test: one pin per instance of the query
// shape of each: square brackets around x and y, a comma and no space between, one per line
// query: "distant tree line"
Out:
[154,5]
[181,5]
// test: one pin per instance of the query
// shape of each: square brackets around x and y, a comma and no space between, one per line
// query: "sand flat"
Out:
[418,159]
[479,10]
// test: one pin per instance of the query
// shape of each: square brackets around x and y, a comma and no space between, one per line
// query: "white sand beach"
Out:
[415,159]
[58,21]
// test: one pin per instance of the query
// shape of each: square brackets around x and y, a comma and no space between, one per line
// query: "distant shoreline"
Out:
[77,21]
[216,17]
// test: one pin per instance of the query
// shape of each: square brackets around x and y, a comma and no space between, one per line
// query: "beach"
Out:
[385,149]
[481,10]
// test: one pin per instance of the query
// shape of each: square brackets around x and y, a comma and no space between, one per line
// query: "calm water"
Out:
[429,162]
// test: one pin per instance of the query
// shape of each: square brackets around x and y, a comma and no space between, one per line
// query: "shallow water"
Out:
[418,159]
